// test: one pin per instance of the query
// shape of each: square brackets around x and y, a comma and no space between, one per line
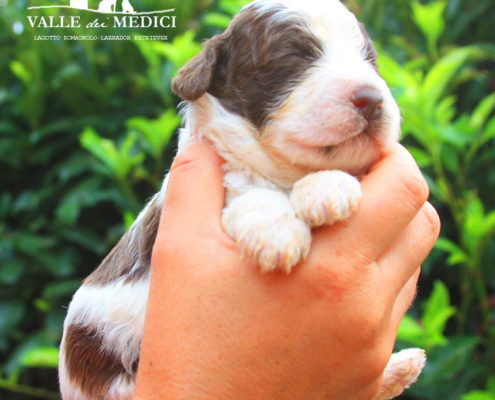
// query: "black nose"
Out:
[369,102]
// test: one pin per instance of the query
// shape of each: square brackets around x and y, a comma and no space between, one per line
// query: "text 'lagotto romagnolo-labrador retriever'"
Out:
[291,97]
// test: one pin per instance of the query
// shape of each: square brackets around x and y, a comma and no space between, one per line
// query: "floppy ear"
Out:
[194,78]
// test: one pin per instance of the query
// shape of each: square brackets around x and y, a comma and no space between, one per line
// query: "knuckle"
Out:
[415,189]
[434,223]
[330,282]
[369,325]
[368,318]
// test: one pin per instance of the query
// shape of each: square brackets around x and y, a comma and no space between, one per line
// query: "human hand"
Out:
[218,329]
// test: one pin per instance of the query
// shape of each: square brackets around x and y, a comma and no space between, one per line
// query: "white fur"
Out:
[325,197]
[401,372]
[266,229]
[122,388]
[69,390]
[117,313]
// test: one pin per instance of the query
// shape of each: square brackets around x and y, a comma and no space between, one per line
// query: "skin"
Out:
[218,329]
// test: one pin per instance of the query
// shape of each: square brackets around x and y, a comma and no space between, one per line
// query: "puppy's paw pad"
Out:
[401,372]
[325,197]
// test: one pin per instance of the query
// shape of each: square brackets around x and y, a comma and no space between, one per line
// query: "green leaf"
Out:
[19,70]
[445,362]
[232,6]
[429,19]
[86,194]
[11,314]
[422,158]
[456,254]
[119,161]
[9,128]
[490,385]
[60,264]
[129,219]
[441,74]
[482,112]
[33,245]
[489,132]
[410,331]
[478,395]
[217,19]
[180,51]
[27,200]
[157,133]
[445,110]
[42,305]
[438,309]
[37,340]
[397,77]
[60,289]
[103,149]
[87,239]
[11,271]
[435,189]
[474,221]
[450,159]
[487,227]
[40,357]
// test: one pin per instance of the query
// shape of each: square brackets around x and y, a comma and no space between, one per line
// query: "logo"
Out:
[123,17]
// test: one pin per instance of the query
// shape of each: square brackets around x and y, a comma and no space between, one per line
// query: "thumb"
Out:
[195,193]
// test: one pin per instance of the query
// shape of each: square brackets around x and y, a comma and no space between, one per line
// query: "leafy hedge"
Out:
[86,133]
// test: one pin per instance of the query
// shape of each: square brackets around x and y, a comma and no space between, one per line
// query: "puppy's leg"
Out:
[325,197]
[265,227]
[401,372]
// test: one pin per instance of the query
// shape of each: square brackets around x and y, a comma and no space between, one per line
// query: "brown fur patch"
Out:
[258,63]
[195,77]
[135,247]
[91,369]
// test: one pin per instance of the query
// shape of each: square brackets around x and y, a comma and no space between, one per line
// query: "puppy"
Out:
[291,97]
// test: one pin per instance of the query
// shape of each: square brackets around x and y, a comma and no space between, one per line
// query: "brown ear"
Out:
[194,78]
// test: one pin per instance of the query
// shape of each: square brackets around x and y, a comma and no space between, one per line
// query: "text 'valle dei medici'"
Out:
[134,21]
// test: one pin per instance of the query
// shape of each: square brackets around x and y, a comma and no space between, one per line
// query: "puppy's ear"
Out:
[194,78]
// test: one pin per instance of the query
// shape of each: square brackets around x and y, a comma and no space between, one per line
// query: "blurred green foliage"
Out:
[86,133]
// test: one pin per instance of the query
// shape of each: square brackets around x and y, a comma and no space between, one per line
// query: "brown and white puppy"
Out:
[291,97]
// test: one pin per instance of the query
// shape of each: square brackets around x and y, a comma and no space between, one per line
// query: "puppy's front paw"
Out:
[325,197]
[402,371]
[266,229]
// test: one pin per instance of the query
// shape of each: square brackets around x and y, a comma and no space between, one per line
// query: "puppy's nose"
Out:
[369,102]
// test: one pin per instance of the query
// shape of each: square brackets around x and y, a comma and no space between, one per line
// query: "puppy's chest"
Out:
[239,182]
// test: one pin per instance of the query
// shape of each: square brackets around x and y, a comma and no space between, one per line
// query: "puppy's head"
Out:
[304,74]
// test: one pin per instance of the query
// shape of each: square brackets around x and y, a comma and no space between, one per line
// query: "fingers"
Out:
[403,302]
[400,261]
[393,193]
[195,193]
